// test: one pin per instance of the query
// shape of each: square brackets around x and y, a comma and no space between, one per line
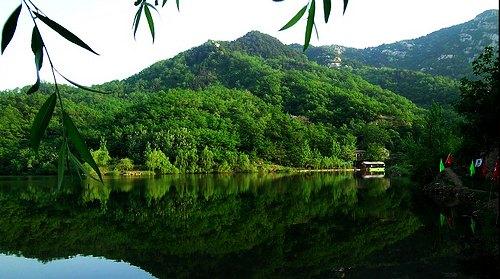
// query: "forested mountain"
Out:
[219,107]
[446,52]
[297,86]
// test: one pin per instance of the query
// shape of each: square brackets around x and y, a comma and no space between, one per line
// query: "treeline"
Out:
[213,130]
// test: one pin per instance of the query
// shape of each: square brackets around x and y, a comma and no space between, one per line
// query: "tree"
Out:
[101,155]
[479,102]
[124,164]
[377,152]
[206,160]
[156,161]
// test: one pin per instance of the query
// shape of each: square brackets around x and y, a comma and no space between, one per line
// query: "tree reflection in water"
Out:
[205,225]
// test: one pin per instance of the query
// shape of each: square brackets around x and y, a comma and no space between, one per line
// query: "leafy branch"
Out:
[71,135]
[145,7]
[310,7]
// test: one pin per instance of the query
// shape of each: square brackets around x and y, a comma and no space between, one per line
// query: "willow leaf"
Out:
[34,88]
[327,8]
[295,18]
[151,22]
[77,165]
[65,33]
[310,24]
[61,163]
[137,19]
[41,121]
[37,47]
[79,144]
[81,86]
[10,27]
[345,4]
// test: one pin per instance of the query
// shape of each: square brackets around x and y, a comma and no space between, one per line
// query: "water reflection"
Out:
[220,186]
[210,225]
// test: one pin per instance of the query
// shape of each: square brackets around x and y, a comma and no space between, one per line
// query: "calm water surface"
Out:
[298,225]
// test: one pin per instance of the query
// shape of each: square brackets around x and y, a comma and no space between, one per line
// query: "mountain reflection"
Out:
[203,225]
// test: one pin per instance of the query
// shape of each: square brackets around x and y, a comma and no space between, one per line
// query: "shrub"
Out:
[157,161]
[124,164]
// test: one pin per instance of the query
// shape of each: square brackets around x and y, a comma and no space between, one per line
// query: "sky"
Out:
[107,27]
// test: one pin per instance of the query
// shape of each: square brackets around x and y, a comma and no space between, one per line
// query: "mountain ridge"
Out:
[447,51]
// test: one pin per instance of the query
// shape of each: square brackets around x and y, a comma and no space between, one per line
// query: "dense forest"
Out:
[249,105]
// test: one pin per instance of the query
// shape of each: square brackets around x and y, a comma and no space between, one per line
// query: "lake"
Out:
[277,225]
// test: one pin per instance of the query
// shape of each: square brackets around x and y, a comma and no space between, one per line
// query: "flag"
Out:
[441,165]
[472,168]
[449,160]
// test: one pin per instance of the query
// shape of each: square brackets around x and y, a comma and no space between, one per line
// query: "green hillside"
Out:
[420,88]
[220,107]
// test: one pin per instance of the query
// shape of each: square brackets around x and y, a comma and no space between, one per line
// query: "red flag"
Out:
[449,160]
[496,171]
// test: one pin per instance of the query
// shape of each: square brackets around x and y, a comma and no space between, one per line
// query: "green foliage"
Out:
[187,160]
[245,165]
[420,88]
[376,152]
[10,28]
[124,164]
[207,163]
[101,155]
[479,99]
[224,167]
[436,136]
[157,161]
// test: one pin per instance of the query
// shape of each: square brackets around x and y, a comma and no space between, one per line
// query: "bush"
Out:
[101,155]
[224,167]
[157,161]
[124,164]
[245,165]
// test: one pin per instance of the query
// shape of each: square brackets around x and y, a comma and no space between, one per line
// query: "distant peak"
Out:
[263,45]
[260,36]
[488,14]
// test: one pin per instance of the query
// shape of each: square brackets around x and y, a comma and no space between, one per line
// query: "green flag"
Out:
[441,165]
[472,168]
